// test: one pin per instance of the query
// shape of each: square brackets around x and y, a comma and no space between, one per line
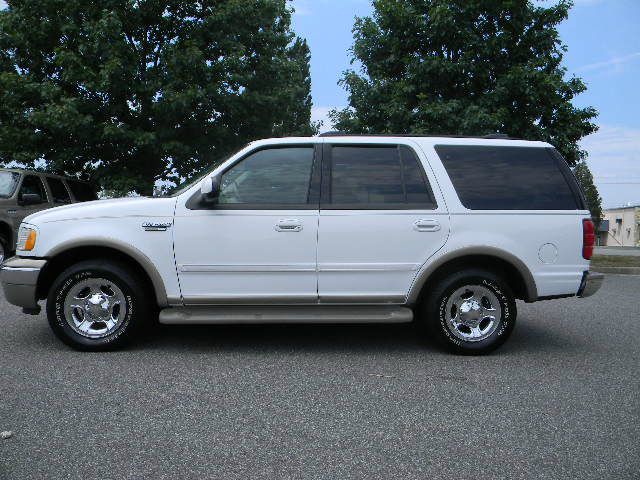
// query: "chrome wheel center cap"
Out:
[97,306]
[471,312]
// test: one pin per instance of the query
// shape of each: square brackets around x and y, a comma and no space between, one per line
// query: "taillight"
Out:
[588,238]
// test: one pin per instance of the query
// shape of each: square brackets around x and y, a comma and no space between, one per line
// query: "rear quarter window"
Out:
[83,192]
[510,178]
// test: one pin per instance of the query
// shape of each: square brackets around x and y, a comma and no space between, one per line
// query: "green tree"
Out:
[468,67]
[585,179]
[128,92]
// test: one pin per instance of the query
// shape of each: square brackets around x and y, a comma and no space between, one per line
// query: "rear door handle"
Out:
[289,225]
[426,225]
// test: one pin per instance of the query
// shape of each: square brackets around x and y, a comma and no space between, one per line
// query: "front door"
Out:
[258,242]
[380,221]
[31,184]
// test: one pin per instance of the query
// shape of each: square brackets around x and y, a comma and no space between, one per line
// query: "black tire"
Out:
[136,300]
[434,311]
[5,249]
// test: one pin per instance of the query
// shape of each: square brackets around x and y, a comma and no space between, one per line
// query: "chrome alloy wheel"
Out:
[94,307]
[473,313]
[2,253]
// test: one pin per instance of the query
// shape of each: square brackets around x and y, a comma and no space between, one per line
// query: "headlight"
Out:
[26,239]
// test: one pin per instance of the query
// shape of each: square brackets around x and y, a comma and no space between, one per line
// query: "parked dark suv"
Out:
[23,192]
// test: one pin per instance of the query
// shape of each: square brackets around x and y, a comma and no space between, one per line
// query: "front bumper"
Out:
[591,283]
[19,277]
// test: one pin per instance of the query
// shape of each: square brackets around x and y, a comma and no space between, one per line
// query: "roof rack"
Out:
[501,136]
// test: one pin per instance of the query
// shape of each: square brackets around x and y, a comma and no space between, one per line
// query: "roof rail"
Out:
[498,135]
[334,133]
[501,136]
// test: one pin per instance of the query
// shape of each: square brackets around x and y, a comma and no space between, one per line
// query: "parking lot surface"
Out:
[560,400]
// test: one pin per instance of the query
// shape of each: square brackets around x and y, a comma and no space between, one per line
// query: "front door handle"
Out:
[426,225]
[289,225]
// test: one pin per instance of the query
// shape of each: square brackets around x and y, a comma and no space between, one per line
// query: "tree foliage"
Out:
[132,91]
[585,179]
[468,67]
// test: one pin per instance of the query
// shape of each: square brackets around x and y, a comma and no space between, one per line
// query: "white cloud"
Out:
[322,114]
[3,4]
[616,63]
[614,160]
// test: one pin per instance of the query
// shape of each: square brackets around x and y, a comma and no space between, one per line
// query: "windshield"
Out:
[8,183]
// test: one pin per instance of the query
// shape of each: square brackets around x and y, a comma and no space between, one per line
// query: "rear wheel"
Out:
[470,312]
[97,305]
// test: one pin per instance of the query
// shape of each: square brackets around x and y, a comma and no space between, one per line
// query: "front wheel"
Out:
[471,311]
[97,305]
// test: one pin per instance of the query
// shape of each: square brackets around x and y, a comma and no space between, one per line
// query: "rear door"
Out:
[381,217]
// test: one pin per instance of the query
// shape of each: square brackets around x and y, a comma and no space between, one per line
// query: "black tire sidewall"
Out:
[437,315]
[116,273]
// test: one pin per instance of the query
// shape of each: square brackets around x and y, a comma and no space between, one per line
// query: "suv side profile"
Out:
[331,229]
[23,192]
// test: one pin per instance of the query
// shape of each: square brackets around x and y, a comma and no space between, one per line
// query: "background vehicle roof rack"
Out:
[494,136]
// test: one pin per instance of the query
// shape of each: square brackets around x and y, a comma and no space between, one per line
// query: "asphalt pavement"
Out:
[560,400]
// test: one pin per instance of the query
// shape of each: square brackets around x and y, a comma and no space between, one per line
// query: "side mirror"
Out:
[27,199]
[210,188]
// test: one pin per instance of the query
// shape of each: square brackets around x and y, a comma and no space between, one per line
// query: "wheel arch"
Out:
[515,270]
[64,255]
[7,230]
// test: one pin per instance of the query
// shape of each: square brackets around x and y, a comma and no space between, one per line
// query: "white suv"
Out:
[330,229]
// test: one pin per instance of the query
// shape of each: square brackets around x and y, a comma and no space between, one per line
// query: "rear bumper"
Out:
[591,283]
[19,278]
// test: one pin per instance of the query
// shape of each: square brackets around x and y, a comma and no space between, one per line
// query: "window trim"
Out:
[313,196]
[325,198]
[572,181]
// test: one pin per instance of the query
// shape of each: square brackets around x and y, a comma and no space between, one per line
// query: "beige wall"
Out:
[627,233]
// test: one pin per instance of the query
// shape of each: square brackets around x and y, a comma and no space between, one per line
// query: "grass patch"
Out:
[615,261]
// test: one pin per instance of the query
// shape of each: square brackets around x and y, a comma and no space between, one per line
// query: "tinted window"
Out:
[58,190]
[83,192]
[8,183]
[33,184]
[370,177]
[507,178]
[279,176]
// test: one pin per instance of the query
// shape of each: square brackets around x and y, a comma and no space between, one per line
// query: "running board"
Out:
[288,314]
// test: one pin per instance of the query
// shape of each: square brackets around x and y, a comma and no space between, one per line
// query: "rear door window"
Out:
[58,190]
[377,177]
[509,178]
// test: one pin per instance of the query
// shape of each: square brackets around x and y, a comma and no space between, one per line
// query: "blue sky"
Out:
[603,40]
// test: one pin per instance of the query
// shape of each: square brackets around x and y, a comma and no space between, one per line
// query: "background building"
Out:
[623,227]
